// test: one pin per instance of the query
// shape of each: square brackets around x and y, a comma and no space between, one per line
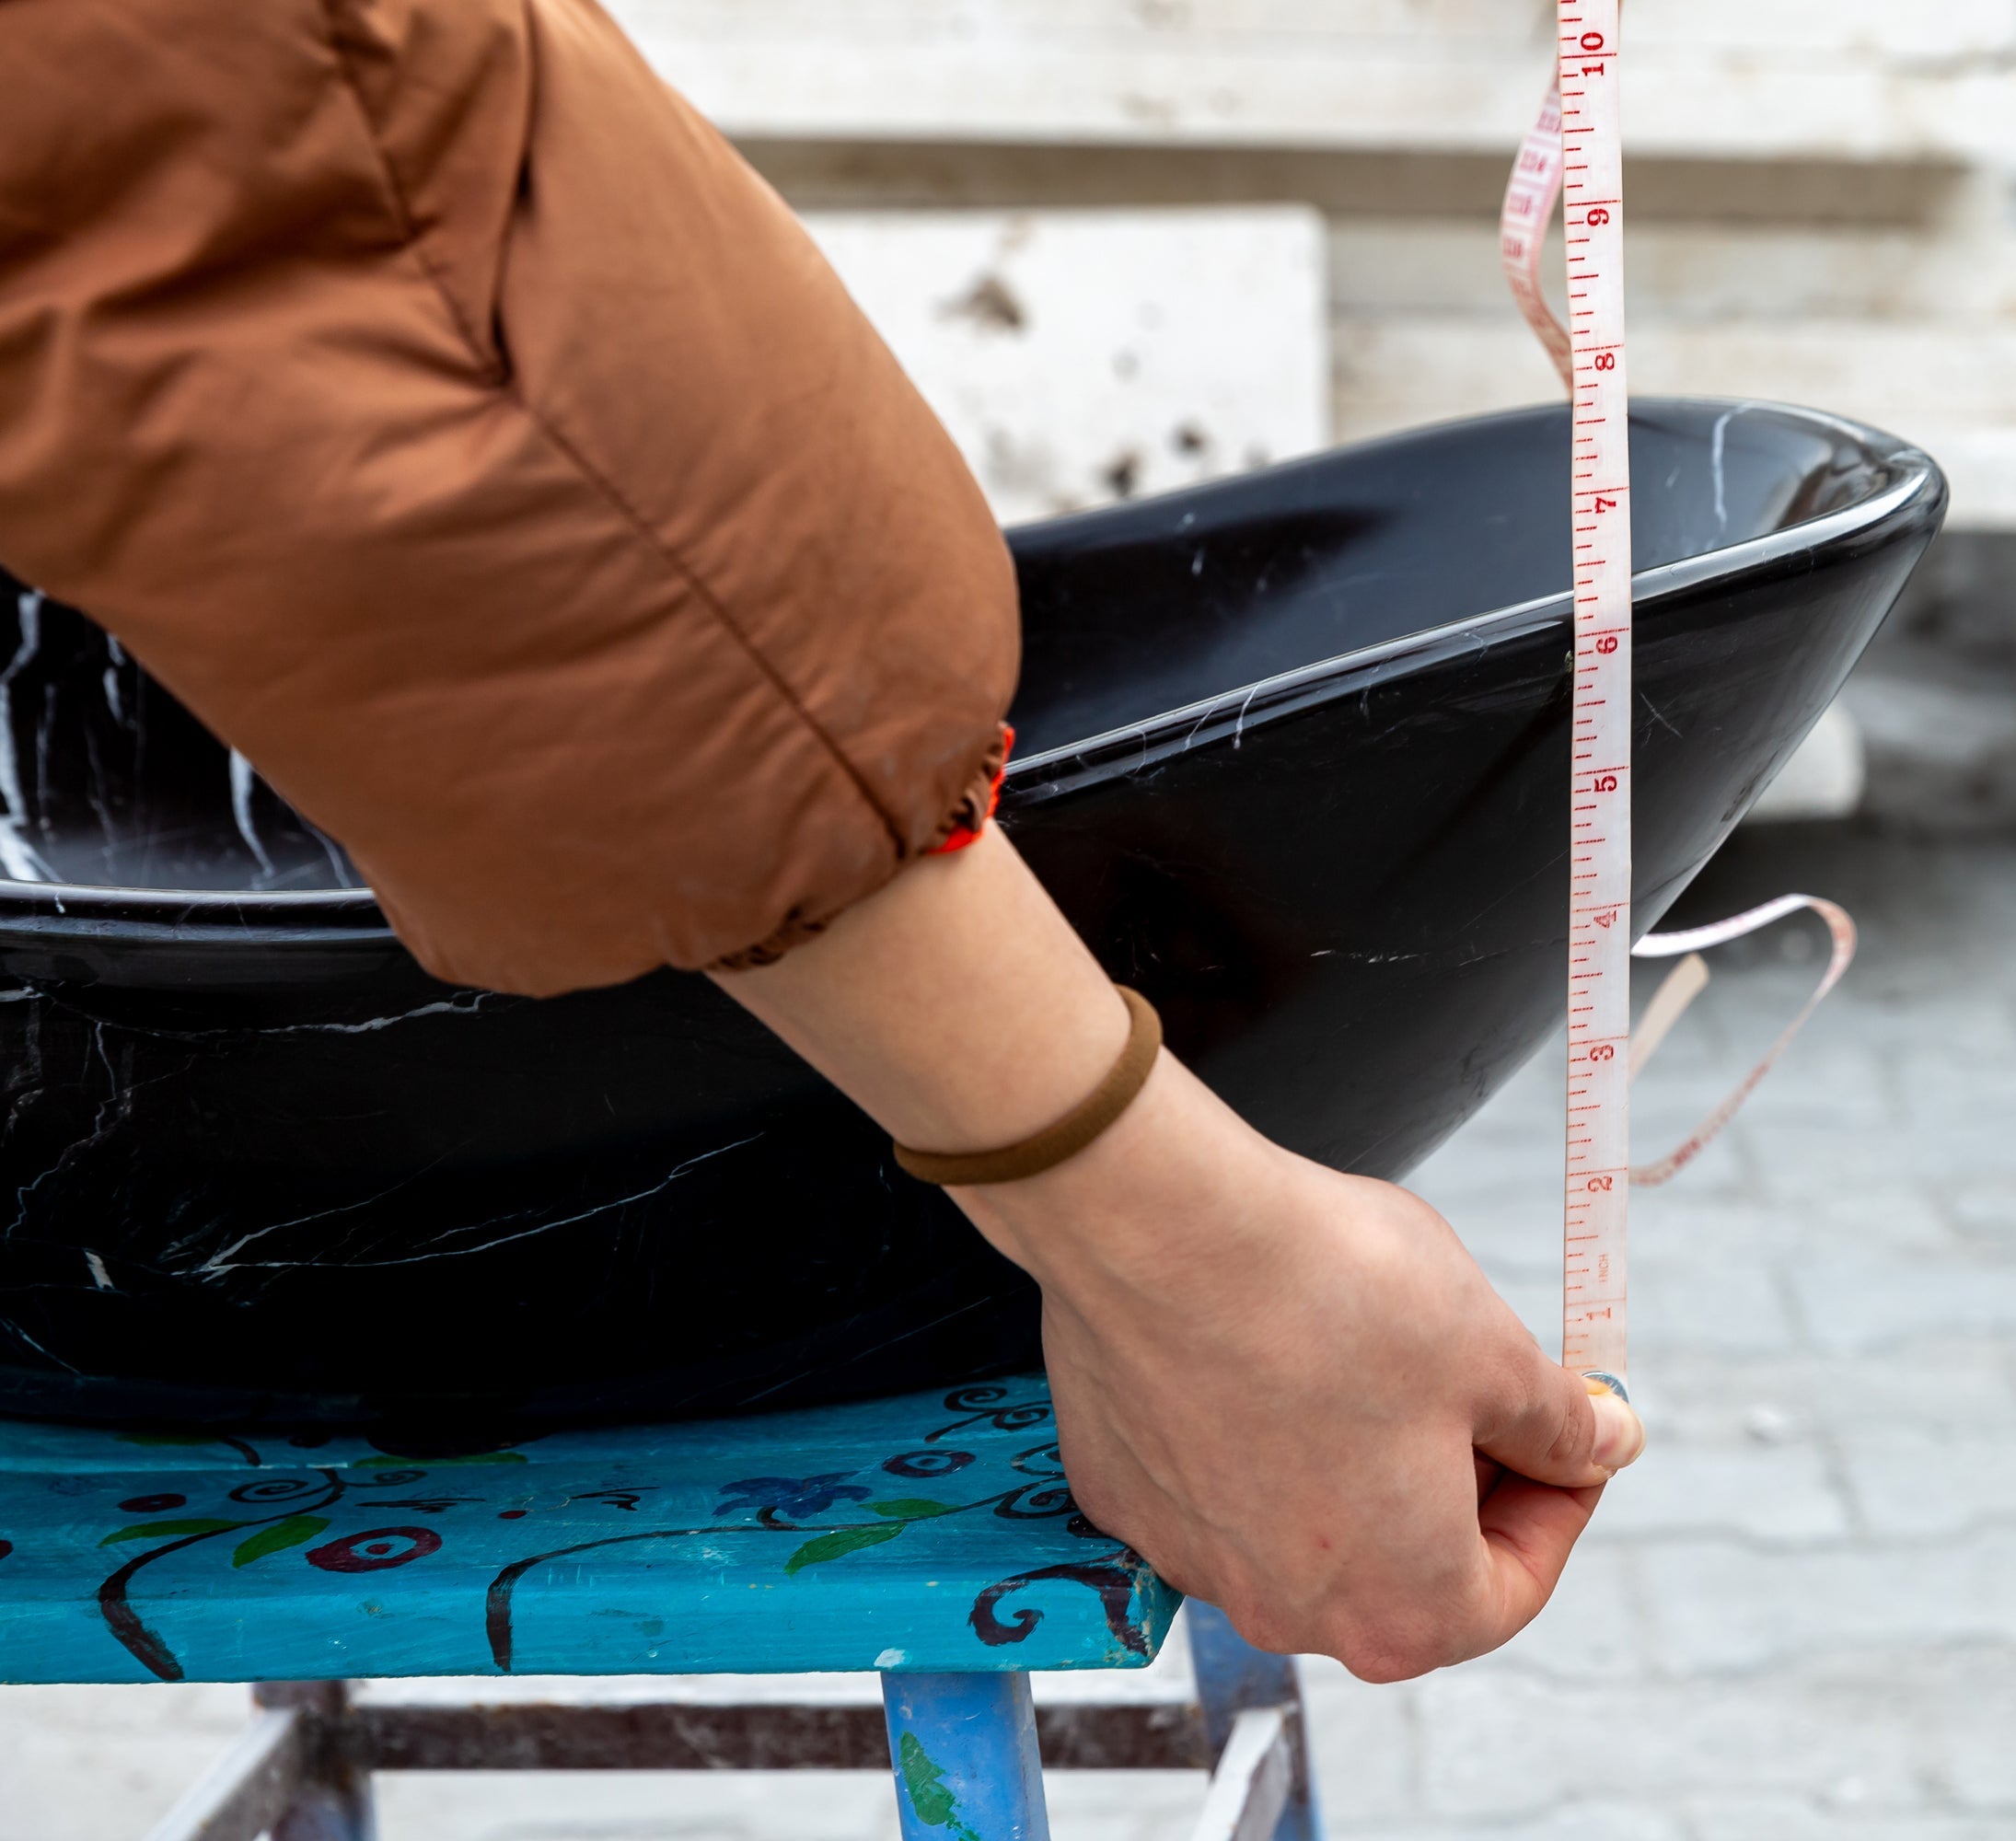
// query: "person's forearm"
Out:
[957,1005]
[959,1008]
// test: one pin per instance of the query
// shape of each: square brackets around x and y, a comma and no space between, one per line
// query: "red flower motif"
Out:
[375,1549]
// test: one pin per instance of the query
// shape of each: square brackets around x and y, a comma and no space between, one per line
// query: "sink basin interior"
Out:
[1139,610]
[107,782]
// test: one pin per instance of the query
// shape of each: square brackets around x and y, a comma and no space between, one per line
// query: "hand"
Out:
[1291,1391]
[1275,1384]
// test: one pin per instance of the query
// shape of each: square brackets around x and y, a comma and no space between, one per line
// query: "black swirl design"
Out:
[986,1406]
[1112,1581]
[927,1462]
[972,1399]
[277,1489]
[1046,1459]
[1037,1502]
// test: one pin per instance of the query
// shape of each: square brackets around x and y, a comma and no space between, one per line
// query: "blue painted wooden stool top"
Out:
[929,1532]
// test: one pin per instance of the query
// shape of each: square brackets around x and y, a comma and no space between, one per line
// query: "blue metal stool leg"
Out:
[964,1751]
[1234,1678]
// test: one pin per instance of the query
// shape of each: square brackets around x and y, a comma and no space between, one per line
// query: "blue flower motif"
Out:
[793,1497]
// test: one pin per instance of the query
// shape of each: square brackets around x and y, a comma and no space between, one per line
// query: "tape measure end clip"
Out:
[1602,1382]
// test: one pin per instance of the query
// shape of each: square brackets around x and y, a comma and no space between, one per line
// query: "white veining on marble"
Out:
[339,870]
[1717,450]
[113,1111]
[242,782]
[114,701]
[18,856]
[45,728]
[1239,729]
[222,1262]
[24,1077]
[463,1003]
[424,1257]
[94,791]
[99,1276]
[14,1329]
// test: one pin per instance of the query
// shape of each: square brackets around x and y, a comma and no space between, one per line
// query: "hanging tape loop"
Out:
[1687,946]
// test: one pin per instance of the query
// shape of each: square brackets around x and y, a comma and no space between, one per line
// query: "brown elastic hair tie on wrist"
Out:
[1071,1134]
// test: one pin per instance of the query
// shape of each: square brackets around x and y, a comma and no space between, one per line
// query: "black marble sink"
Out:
[1293,755]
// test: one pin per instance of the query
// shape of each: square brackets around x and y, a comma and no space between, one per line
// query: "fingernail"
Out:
[1620,1434]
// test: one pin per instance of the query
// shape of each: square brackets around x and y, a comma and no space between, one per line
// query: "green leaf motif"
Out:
[930,1796]
[910,1507]
[149,1530]
[817,1551]
[293,1532]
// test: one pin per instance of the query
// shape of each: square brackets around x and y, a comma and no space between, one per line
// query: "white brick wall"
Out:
[1858,79]
[1074,354]
[1822,191]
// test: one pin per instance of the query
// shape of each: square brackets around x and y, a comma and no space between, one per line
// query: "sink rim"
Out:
[1915,477]
[113,913]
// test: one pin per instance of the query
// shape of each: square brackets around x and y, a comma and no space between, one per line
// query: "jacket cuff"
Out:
[959,827]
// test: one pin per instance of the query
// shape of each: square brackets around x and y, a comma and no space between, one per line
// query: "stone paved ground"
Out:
[1797,1618]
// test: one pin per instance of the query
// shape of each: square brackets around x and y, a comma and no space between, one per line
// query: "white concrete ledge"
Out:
[1708,78]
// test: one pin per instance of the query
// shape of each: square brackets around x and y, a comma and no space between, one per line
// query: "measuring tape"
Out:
[1575,153]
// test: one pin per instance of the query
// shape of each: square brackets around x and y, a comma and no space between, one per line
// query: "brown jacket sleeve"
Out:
[452,419]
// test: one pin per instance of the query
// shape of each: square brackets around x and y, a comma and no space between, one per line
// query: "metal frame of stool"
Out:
[968,1750]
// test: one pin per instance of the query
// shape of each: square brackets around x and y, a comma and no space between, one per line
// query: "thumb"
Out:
[1557,1428]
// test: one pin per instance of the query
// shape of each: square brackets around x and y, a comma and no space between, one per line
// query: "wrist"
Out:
[956,1006]
[1157,1212]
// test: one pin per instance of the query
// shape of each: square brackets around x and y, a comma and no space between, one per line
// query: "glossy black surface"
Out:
[1279,761]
